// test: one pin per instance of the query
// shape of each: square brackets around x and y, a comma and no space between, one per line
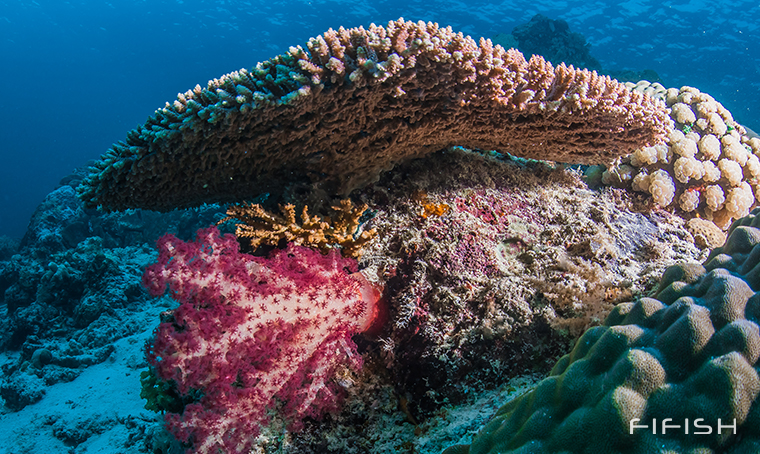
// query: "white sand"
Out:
[97,408]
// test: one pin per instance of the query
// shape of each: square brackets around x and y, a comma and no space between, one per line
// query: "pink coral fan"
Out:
[253,333]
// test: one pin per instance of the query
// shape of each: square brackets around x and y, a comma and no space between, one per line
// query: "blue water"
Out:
[75,76]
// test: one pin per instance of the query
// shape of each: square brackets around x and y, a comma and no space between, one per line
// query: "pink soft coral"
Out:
[253,334]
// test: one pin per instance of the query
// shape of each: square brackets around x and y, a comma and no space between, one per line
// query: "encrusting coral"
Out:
[673,373]
[522,247]
[261,227]
[354,103]
[709,167]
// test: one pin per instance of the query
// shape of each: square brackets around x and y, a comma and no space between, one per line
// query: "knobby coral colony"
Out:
[357,101]
[707,167]
[353,104]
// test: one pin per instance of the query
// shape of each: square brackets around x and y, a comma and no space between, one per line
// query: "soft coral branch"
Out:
[250,332]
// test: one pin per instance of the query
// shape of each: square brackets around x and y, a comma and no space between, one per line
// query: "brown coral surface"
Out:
[356,102]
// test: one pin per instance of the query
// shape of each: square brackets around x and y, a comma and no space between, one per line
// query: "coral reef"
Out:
[259,227]
[466,332]
[487,262]
[356,102]
[8,247]
[553,40]
[251,332]
[71,287]
[491,263]
[708,168]
[672,373]
[476,290]
[61,313]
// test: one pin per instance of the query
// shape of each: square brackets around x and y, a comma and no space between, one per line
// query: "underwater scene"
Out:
[380,227]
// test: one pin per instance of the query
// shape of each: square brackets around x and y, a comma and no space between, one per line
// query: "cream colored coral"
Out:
[714,197]
[644,156]
[754,143]
[685,97]
[686,168]
[662,188]
[664,153]
[641,181]
[712,173]
[739,200]
[753,166]
[713,163]
[675,136]
[686,147]
[709,146]
[731,170]
[671,96]
[734,150]
[716,125]
[693,135]
[689,200]
[682,113]
[707,106]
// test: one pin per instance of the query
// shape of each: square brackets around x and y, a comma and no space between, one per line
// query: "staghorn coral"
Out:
[354,103]
[688,356]
[709,167]
[261,227]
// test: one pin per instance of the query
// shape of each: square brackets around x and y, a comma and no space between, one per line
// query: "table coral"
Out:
[357,101]
[672,373]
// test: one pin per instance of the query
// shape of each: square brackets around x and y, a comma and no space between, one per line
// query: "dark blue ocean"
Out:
[77,75]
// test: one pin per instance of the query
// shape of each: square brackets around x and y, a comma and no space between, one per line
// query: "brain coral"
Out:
[659,374]
[709,166]
[355,102]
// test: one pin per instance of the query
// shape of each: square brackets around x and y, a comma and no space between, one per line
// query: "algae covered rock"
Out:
[674,373]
